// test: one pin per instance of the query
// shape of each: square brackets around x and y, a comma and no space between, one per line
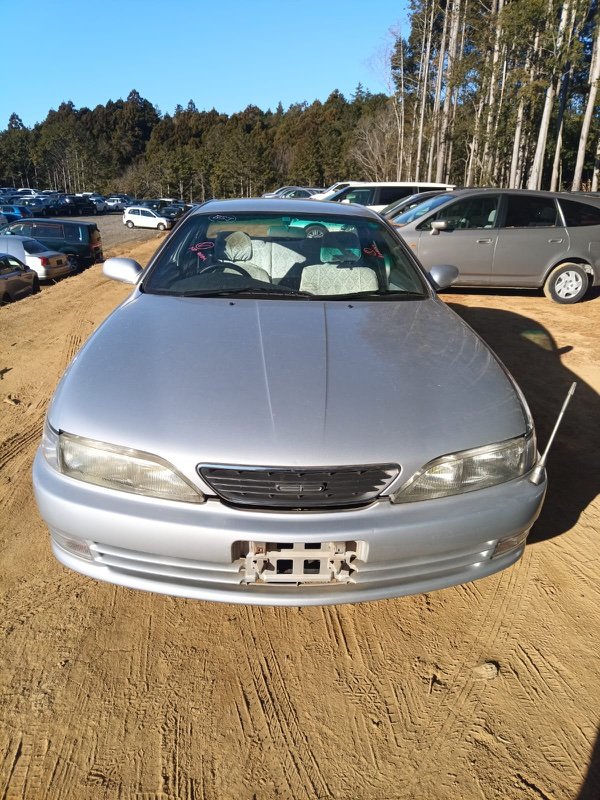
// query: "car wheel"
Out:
[35,286]
[129,223]
[315,232]
[160,226]
[567,283]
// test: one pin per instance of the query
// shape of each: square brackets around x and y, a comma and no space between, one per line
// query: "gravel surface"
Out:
[114,232]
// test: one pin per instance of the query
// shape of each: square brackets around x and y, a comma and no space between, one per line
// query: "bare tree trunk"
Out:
[434,141]
[450,65]
[514,165]
[589,110]
[495,15]
[564,89]
[596,173]
[535,176]
[424,84]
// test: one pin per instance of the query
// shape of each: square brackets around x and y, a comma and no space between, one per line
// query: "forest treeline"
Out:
[501,93]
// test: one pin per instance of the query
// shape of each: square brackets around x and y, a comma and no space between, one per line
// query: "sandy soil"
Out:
[488,690]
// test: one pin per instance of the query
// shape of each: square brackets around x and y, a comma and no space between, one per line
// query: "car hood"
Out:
[287,383]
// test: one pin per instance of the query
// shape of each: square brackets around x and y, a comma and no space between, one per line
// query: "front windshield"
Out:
[418,211]
[283,256]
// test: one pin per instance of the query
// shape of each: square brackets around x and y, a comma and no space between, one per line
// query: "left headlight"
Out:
[113,467]
[469,470]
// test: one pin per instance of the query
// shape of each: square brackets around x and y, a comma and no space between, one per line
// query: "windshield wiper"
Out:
[404,293]
[253,291]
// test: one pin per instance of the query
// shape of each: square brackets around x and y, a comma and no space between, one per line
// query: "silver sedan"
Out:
[281,420]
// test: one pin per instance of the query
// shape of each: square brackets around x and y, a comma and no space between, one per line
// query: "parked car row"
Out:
[80,241]
[501,238]
[48,203]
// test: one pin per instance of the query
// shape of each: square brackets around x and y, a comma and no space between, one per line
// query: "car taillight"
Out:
[44,262]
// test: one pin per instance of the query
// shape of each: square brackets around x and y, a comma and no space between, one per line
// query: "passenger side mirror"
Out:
[443,275]
[440,225]
[125,270]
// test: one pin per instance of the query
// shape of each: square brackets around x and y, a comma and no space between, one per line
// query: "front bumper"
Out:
[193,551]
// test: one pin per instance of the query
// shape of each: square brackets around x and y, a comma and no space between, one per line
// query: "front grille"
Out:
[293,487]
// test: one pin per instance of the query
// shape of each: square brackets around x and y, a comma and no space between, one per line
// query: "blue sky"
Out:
[225,54]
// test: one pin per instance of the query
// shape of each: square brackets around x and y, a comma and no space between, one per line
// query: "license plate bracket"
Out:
[299,563]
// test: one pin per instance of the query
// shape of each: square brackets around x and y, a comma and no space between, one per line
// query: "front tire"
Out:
[35,286]
[566,284]
[129,223]
[160,226]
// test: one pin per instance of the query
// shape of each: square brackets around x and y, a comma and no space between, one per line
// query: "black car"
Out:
[80,240]
[80,206]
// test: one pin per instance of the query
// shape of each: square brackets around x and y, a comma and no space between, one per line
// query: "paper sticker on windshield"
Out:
[199,247]
[373,250]
[222,218]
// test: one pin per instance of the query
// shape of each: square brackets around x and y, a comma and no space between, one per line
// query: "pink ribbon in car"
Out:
[372,251]
[199,247]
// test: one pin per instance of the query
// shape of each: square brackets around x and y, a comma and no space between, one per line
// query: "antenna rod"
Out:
[538,471]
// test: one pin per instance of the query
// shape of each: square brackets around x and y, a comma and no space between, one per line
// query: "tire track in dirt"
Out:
[445,714]
[276,717]
[16,457]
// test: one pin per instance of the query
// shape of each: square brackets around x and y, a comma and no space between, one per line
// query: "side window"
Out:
[471,212]
[15,265]
[530,212]
[21,229]
[147,214]
[45,230]
[579,214]
[357,195]
[5,268]
[389,194]
[71,233]
[135,211]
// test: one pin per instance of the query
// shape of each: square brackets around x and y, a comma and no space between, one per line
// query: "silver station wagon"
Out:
[508,238]
[285,420]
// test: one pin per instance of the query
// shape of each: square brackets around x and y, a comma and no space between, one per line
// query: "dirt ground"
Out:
[488,690]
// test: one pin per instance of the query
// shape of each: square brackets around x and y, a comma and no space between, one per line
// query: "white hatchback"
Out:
[138,217]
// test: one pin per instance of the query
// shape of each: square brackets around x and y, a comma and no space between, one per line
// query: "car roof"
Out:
[274,205]
[524,192]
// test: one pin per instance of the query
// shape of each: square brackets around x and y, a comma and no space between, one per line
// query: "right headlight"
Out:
[113,467]
[469,470]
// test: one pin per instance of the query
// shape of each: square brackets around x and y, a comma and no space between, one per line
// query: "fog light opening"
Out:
[510,543]
[76,547]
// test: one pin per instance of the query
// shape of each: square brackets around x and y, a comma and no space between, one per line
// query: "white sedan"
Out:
[138,217]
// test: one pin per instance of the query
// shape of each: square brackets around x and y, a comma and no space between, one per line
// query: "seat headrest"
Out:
[342,246]
[233,246]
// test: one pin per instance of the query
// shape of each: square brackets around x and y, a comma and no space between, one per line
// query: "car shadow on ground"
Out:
[530,353]
[590,789]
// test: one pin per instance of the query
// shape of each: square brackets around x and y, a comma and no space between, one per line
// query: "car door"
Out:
[147,218]
[14,281]
[469,240]
[531,238]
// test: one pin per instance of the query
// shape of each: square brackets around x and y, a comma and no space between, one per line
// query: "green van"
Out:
[81,240]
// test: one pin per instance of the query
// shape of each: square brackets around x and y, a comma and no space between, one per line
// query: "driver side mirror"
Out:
[440,225]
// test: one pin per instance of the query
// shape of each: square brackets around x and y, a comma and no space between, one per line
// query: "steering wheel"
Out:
[223,266]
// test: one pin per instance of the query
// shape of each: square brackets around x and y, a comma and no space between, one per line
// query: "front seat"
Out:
[236,247]
[337,273]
